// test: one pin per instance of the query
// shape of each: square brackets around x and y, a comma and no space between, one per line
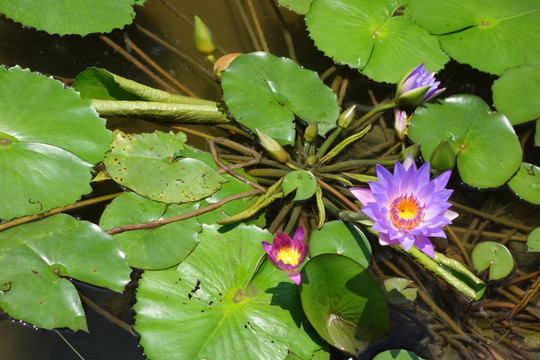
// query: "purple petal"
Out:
[407,241]
[267,247]
[364,195]
[299,236]
[424,244]
[384,239]
[441,180]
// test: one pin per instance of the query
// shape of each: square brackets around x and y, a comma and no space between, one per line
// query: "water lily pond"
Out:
[280,179]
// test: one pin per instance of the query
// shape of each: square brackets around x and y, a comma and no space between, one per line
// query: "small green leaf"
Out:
[49,141]
[495,256]
[36,260]
[373,36]
[397,354]
[487,148]
[302,181]
[205,310]
[266,92]
[71,16]
[145,164]
[516,93]
[338,237]
[156,248]
[533,241]
[490,36]
[396,291]
[526,183]
[343,302]
[299,6]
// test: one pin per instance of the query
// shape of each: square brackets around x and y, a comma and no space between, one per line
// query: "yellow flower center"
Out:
[288,255]
[406,212]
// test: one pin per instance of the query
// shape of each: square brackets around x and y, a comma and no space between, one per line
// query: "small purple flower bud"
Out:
[401,124]
[417,87]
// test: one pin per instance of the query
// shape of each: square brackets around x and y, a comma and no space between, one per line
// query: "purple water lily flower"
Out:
[407,207]
[288,254]
[417,87]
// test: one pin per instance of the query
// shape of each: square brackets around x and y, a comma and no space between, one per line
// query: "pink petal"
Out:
[295,276]
[267,247]
[299,235]
[450,215]
[364,195]
[409,160]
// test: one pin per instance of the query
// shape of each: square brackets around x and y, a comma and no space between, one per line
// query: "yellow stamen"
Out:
[406,212]
[289,256]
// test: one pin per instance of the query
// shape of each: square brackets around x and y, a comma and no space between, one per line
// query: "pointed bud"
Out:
[417,87]
[204,40]
[276,151]
[312,131]
[347,117]
[401,124]
[442,158]
[413,150]
[312,161]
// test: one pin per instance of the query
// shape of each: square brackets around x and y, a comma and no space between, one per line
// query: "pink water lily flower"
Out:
[407,207]
[288,254]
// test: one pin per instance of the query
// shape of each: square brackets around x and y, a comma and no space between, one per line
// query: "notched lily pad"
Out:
[533,241]
[147,164]
[495,257]
[302,181]
[526,183]
[37,257]
[266,92]
[49,141]
[397,291]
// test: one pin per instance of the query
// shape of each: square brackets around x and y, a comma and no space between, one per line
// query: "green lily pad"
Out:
[71,16]
[157,248]
[49,141]
[537,134]
[526,183]
[205,309]
[490,36]
[299,6]
[397,291]
[495,256]
[487,148]
[343,302]
[147,164]
[373,37]
[302,181]
[36,260]
[533,241]
[338,237]
[266,92]
[397,354]
[519,85]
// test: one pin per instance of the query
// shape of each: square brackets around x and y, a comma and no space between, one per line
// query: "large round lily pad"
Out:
[205,309]
[266,92]
[38,258]
[343,302]
[49,141]
[71,16]
[160,167]
[516,93]
[489,35]
[487,148]
[374,36]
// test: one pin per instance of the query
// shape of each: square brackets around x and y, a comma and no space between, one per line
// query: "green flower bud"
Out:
[414,150]
[276,151]
[347,117]
[204,40]
[442,158]
[312,161]
[312,131]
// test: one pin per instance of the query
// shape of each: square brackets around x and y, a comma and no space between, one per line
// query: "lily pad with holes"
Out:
[71,16]
[533,241]
[49,141]
[338,237]
[526,183]
[377,37]
[160,167]
[37,260]
[266,92]
[487,148]
[495,257]
[343,302]
[156,248]
[490,36]
[206,309]
[302,181]
[516,93]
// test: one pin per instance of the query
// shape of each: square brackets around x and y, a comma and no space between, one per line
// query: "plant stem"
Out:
[57,210]
[492,217]
[258,27]
[351,164]
[329,140]
[68,344]
[382,106]
[350,204]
